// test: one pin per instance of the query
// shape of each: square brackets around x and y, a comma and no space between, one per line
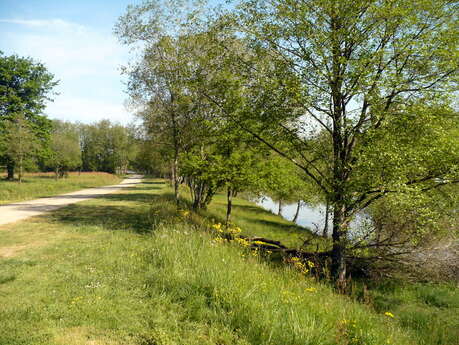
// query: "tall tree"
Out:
[369,80]
[25,86]
[20,143]
[375,77]
[173,113]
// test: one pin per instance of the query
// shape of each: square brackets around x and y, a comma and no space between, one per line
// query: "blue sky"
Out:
[74,39]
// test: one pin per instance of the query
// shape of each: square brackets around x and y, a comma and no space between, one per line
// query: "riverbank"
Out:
[126,268]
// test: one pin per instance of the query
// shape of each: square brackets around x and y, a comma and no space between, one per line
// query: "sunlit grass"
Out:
[43,184]
[127,269]
[258,222]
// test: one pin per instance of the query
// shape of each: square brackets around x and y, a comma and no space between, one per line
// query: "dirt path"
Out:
[20,210]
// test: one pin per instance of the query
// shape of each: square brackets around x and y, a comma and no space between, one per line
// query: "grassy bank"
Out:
[39,185]
[126,269]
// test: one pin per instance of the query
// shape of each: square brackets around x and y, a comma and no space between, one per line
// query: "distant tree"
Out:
[20,143]
[65,151]
[105,147]
[25,86]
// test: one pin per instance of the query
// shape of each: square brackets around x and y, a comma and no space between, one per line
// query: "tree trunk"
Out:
[176,140]
[229,205]
[176,180]
[20,170]
[279,211]
[10,169]
[341,166]
[338,255]
[327,211]
[56,173]
[298,207]
[171,176]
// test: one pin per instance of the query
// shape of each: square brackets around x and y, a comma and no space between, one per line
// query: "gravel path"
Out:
[21,210]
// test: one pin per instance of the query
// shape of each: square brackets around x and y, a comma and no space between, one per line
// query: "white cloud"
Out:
[85,60]
[50,23]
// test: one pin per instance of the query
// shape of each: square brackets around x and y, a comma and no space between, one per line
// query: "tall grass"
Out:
[127,269]
[43,184]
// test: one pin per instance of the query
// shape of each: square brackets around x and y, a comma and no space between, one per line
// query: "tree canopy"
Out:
[25,87]
[356,94]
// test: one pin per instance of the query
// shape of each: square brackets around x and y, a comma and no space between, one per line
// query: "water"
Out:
[309,217]
[313,217]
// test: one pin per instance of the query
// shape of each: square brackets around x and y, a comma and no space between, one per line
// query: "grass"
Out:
[43,184]
[258,222]
[430,310]
[127,269]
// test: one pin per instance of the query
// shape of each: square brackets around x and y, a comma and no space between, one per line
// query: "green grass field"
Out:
[39,185]
[127,269]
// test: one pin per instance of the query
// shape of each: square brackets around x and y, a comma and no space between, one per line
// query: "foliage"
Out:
[25,86]
[106,147]
[374,78]
[65,151]
[21,144]
[356,94]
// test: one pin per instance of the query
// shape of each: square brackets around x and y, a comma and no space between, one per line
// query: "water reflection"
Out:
[314,217]
[309,217]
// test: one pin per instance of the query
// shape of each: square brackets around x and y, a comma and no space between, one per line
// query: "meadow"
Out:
[127,268]
[38,185]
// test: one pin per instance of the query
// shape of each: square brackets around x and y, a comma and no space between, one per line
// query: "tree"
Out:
[364,70]
[65,151]
[106,147]
[20,143]
[246,169]
[173,113]
[25,86]
[368,80]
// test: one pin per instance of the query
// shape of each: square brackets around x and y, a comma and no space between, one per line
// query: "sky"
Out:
[74,40]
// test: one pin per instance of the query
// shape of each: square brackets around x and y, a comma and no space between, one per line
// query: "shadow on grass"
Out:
[278,225]
[139,212]
[109,217]
[133,197]
[252,209]
[258,217]
[142,189]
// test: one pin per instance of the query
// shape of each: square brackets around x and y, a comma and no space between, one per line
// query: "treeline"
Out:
[31,141]
[347,101]
[101,146]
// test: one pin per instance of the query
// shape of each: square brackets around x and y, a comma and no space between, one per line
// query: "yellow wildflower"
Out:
[235,231]
[388,313]
[217,227]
